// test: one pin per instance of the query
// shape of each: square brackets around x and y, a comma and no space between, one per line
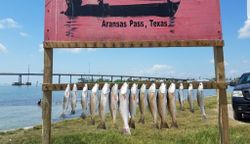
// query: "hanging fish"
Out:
[181,96]
[92,103]
[132,104]
[190,97]
[66,100]
[171,104]
[113,102]
[103,104]
[124,108]
[200,100]
[84,101]
[142,103]
[152,104]
[161,103]
[73,99]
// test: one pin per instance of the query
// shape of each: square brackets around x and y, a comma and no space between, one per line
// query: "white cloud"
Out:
[3,49]
[23,34]
[244,32]
[160,67]
[158,70]
[8,23]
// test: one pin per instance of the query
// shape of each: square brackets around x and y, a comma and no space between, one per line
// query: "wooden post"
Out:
[222,95]
[47,97]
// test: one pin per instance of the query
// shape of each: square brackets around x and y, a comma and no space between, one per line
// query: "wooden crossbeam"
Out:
[61,87]
[132,44]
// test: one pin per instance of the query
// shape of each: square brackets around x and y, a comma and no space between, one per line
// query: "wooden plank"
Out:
[61,87]
[47,97]
[222,98]
[132,44]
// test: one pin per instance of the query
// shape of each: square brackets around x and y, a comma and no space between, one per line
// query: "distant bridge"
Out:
[92,76]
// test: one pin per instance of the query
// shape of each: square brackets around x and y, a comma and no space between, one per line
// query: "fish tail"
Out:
[126,131]
[92,121]
[114,125]
[62,115]
[132,123]
[164,125]
[142,120]
[174,124]
[73,112]
[102,125]
[83,115]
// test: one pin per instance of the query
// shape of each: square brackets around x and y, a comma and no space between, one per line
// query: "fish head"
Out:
[85,88]
[200,87]
[143,88]
[68,87]
[181,87]
[162,88]
[115,88]
[134,88]
[171,88]
[67,90]
[95,88]
[190,87]
[124,88]
[152,88]
[75,87]
[105,89]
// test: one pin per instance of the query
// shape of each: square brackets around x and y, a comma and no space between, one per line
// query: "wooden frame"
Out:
[132,44]
[220,84]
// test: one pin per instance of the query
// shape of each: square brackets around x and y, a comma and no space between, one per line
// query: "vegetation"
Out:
[192,130]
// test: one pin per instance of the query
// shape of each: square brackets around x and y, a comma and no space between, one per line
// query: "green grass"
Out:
[192,130]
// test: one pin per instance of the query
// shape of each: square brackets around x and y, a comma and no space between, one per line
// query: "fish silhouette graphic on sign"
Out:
[102,9]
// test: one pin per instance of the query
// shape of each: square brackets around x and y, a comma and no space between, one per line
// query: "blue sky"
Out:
[21,36]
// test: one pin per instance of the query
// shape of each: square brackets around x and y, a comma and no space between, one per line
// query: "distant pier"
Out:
[90,77]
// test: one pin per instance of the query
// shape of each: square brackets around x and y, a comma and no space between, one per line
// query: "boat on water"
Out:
[166,8]
[19,83]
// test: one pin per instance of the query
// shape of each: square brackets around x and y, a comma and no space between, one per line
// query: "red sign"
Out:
[132,20]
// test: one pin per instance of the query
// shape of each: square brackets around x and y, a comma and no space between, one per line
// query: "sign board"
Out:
[132,20]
